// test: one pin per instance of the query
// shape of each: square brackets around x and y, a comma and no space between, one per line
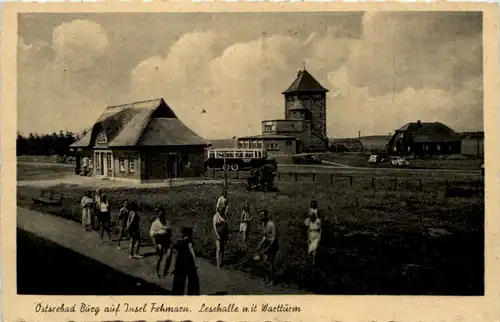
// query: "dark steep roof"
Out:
[126,124]
[430,132]
[305,82]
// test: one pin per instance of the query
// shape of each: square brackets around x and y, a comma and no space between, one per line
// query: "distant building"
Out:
[473,143]
[375,143]
[304,126]
[421,138]
[142,141]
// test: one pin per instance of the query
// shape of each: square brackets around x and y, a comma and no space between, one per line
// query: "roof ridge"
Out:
[137,102]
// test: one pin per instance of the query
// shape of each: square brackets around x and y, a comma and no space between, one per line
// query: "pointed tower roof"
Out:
[305,82]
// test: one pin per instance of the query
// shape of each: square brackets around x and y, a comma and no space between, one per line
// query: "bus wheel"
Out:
[225,167]
[234,167]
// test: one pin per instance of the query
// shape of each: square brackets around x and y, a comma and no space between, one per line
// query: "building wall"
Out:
[375,144]
[127,156]
[280,147]
[180,161]
[278,126]
[473,146]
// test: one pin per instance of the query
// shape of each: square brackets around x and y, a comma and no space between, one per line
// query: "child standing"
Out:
[133,229]
[245,223]
[86,204]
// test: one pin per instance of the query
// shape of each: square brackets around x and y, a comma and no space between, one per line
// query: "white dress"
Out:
[313,233]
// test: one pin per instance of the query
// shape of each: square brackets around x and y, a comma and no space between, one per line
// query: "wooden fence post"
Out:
[420,184]
[296,177]
[214,173]
[278,176]
[331,178]
[373,182]
[237,174]
[314,176]
[395,183]
[350,181]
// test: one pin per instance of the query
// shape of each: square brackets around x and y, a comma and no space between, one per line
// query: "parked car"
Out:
[307,159]
[377,158]
[400,162]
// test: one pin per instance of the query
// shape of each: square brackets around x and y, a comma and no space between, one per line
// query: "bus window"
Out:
[249,154]
[220,154]
[230,154]
[259,154]
[239,154]
[211,154]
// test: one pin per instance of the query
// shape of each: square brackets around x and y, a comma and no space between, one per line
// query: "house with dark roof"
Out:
[142,141]
[421,138]
[304,127]
[473,143]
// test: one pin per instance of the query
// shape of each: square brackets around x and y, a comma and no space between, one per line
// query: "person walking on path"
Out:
[104,217]
[221,235]
[268,247]
[122,221]
[313,224]
[86,205]
[185,265]
[246,218]
[133,229]
[96,210]
[161,233]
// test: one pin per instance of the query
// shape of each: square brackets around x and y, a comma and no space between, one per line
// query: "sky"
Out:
[383,69]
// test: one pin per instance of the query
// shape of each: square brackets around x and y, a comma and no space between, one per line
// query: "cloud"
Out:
[58,85]
[78,44]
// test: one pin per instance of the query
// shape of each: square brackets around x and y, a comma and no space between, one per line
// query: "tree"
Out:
[262,179]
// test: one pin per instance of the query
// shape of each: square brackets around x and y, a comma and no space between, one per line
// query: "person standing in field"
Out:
[268,247]
[104,217]
[185,265]
[246,218]
[122,222]
[133,229]
[161,233]
[222,203]
[221,234]
[86,205]
[313,224]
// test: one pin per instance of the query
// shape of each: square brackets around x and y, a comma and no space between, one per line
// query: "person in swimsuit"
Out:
[185,265]
[221,235]
[122,221]
[104,217]
[269,246]
[313,224]
[133,229]
[161,233]
[246,218]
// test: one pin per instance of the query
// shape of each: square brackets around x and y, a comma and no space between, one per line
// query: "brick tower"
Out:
[305,100]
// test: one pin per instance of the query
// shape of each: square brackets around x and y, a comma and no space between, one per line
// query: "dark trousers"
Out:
[180,283]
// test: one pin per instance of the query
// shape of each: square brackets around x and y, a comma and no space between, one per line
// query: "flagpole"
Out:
[224,167]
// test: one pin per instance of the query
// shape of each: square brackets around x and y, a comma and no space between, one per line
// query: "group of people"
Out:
[96,212]
[268,247]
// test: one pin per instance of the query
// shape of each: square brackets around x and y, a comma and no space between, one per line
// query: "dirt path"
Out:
[71,235]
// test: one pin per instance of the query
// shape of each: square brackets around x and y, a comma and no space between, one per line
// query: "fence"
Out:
[414,182]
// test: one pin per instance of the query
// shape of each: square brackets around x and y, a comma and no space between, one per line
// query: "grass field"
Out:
[42,172]
[375,241]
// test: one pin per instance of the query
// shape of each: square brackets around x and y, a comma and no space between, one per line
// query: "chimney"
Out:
[419,123]
[299,73]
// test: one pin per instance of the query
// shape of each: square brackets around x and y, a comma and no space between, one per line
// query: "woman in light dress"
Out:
[313,224]
[86,204]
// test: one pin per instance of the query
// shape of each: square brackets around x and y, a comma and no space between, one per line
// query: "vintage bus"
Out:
[236,159]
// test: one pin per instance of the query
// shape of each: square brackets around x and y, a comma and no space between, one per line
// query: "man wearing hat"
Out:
[161,233]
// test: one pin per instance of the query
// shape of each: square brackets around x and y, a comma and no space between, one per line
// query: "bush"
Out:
[262,179]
